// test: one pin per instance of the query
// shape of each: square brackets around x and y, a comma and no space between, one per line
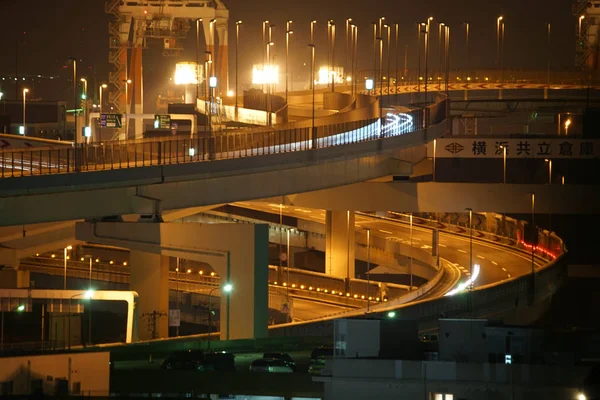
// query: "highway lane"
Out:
[497,263]
[304,309]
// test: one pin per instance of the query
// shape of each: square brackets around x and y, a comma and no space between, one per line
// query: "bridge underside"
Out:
[452,197]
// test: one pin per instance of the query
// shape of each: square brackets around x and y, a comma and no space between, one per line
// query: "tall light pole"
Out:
[288,32]
[470,243]
[580,21]
[548,51]
[427,42]
[411,254]
[227,289]
[269,85]
[354,56]
[498,22]
[24,111]
[348,41]
[502,55]
[90,316]
[74,96]
[419,31]
[332,56]
[396,44]
[375,37]
[312,81]
[381,25]
[4,112]
[103,86]
[380,40]
[198,20]
[237,44]
[440,47]
[389,57]
[84,98]
[312,74]
[447,56]
[65,266]
[368,268]
[504,150]
[467,28]
[549,170]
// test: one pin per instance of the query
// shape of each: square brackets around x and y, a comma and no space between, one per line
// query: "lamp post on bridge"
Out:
[227,289]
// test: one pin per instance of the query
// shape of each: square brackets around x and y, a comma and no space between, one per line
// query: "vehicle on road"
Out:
[317,359]
[200,361]
[270,365]
[282,356]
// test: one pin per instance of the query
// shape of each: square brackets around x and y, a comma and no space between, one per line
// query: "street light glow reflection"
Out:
[466,284]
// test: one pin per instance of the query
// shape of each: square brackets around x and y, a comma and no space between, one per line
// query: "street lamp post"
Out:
[312,80]
[74,95]
[380,40]
[237,44]
[548,51]
[332,73]
[288,32]
[349,33]
[227,289]
[84,98]
[396,45]
[198,20]
[24,111]
[103,86]
[411,254]
[504,150]
[90,314]
[427,41]
[368,268]
[440,48]
[389,58]
[470,210]
[65,266]
[419,27]
[4,112]
[549,170]
[467,29]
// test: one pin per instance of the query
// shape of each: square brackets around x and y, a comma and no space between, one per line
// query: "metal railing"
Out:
[221,146]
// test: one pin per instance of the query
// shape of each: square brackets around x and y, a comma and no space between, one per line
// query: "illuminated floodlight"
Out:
[212,82]
[265,74]
[192,152]
[369,84]
[186,73]
[391,314]
[87,131]
[21,130]
[230,93]
[467,283]
[89,294]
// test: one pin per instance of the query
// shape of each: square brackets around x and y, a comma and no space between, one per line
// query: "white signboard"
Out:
[174,317]
[485,147]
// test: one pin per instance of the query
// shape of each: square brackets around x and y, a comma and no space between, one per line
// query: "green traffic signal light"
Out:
[21,308]
[391,314]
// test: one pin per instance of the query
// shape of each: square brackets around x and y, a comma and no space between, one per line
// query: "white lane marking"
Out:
[494,262]
[482,257]
[509,275]
[426,247]
[504,269]
[388,232]
[442,245]
[462,251]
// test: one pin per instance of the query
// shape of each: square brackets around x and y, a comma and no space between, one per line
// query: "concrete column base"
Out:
[150,279]
[339,244]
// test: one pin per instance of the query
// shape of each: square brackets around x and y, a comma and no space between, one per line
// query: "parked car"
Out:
[318,357]
[270,365]
[321,352]
[282,356]
[200,361]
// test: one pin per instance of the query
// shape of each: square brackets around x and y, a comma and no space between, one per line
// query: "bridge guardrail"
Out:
[131,154]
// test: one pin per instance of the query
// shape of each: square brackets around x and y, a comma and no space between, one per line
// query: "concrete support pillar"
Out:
[222,58]
[339,244]
[150,279]
[23,279]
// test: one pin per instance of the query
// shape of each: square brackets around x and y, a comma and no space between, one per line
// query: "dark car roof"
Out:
[269,362]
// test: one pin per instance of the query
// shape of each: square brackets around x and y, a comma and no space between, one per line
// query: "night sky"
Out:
[53,31]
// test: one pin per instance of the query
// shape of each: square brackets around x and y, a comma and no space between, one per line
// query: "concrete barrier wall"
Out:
[338,101]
